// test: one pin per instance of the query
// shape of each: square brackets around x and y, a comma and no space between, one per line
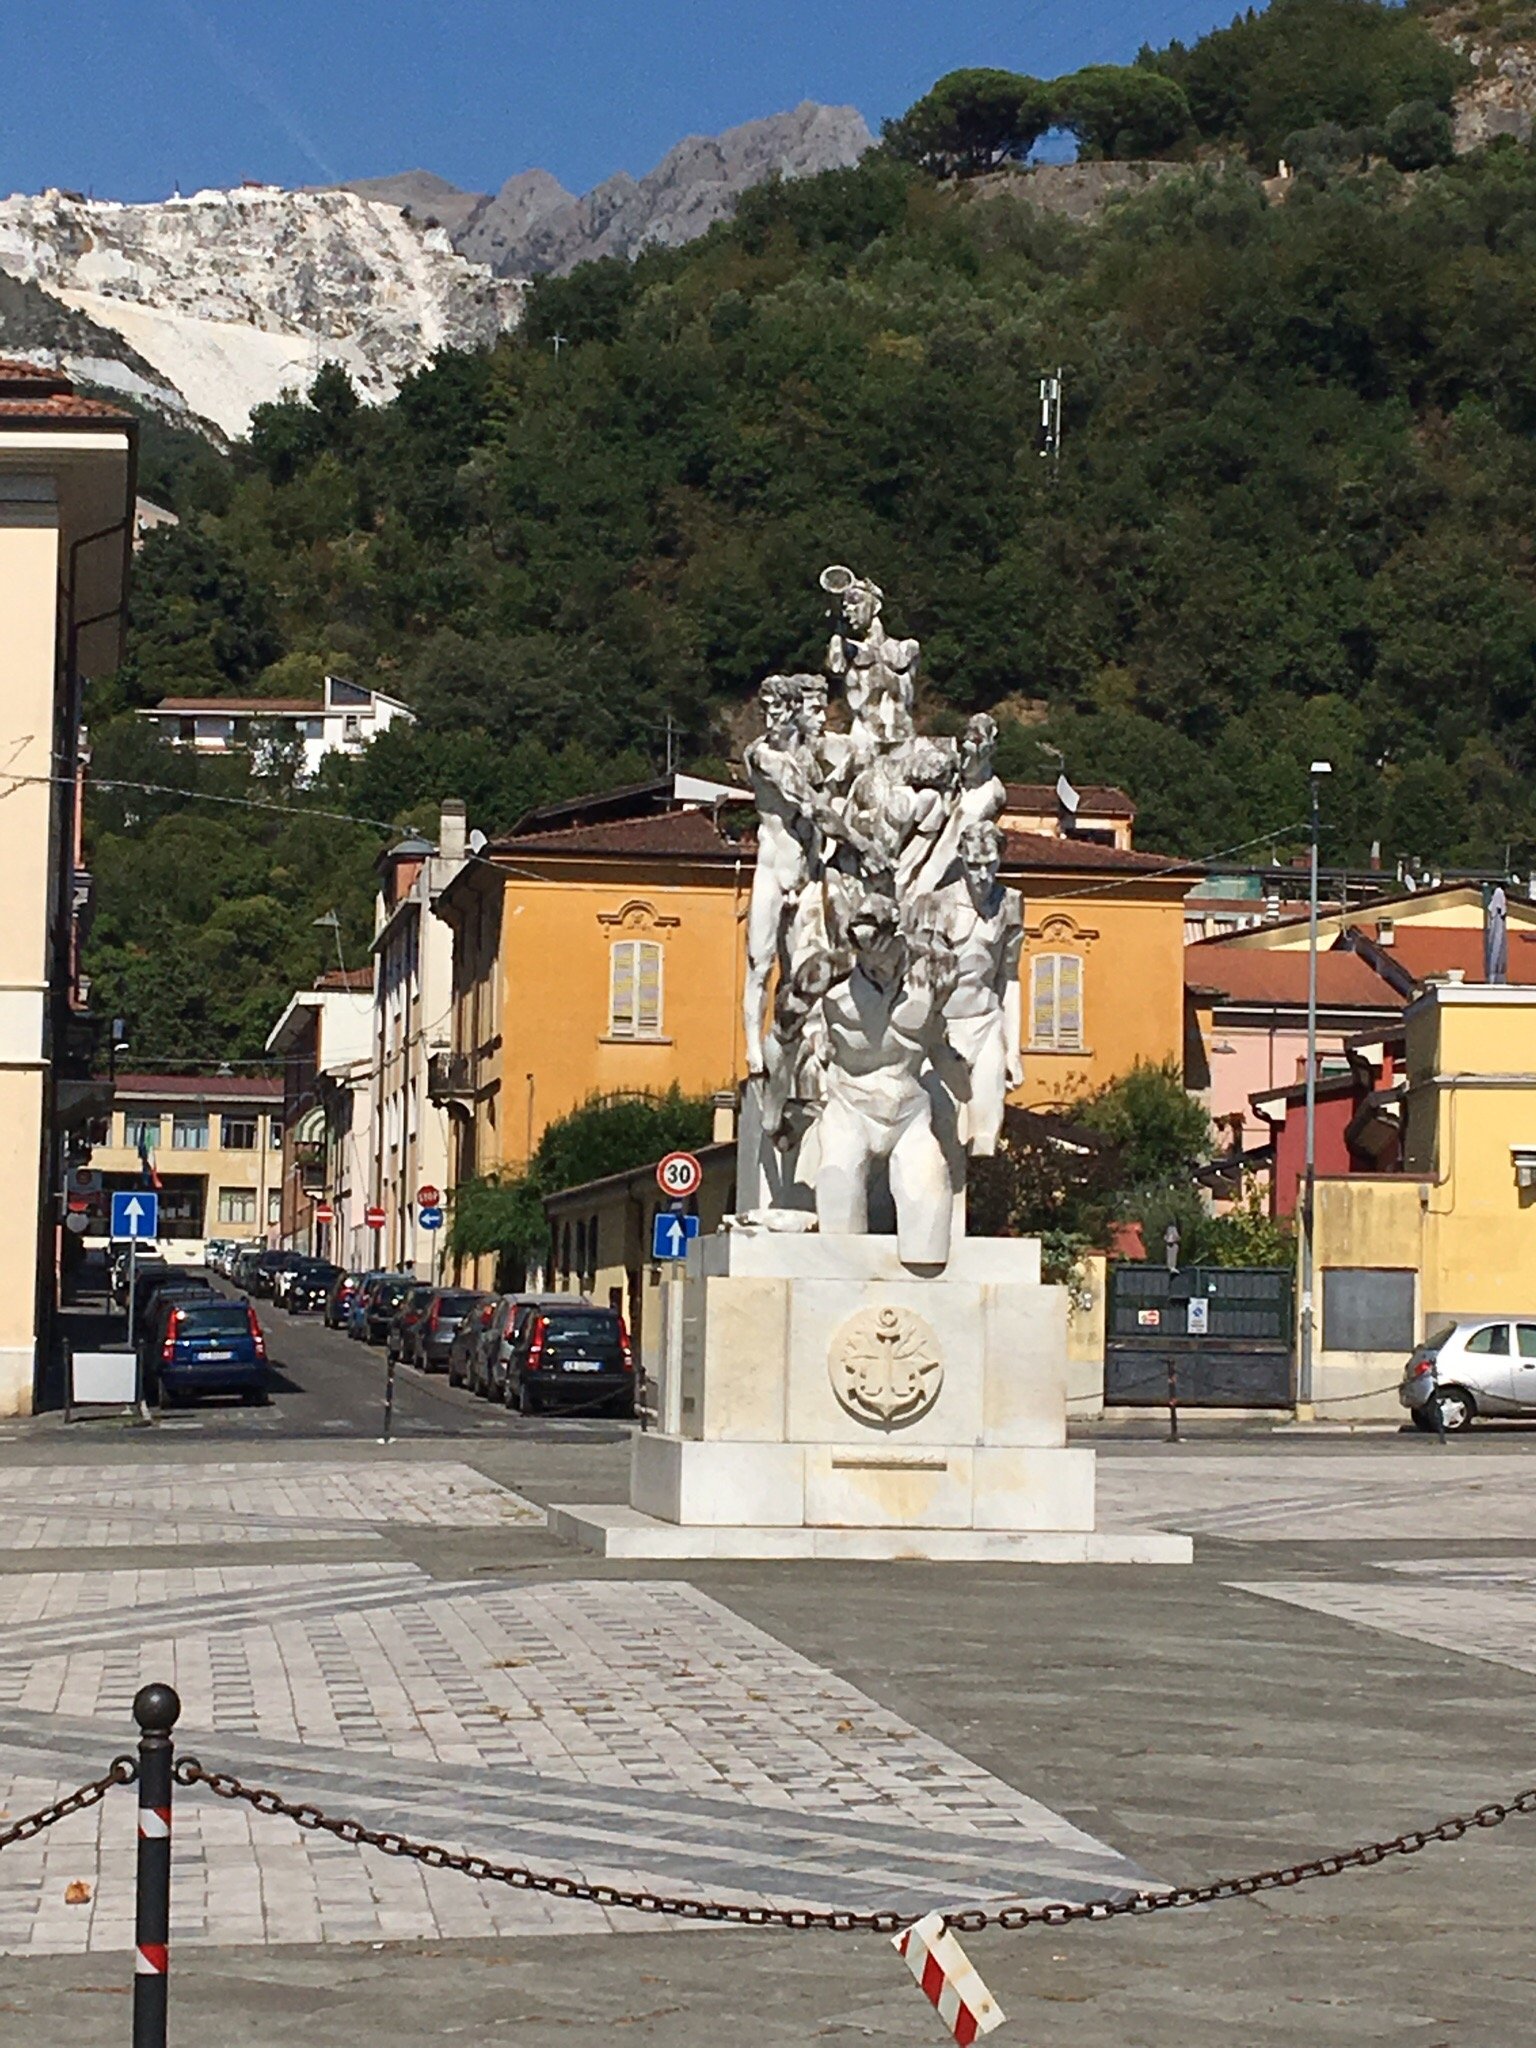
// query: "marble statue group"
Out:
[889,946]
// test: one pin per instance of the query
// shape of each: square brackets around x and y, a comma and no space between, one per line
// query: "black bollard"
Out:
[157,1710]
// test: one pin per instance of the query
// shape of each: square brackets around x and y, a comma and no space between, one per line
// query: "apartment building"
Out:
[211,1144]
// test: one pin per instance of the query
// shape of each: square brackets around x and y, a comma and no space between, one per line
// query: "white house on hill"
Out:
[344,721]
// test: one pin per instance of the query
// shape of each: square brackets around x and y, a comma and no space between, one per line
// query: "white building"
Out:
[344,721]
[325,1041]
[413,1022]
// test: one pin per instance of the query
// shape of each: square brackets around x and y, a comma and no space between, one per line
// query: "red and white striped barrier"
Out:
[947,1978]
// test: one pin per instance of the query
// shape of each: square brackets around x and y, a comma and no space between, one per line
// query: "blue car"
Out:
[208,1346]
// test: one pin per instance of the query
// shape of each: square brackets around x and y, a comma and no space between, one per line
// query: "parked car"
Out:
[400,1337]
[125,1261]
[310,1287]
[243,1264]
[492,1358]
[437,1329]
[1483,1365]
[381,1298]
[338,1303]
[209,1345]
[468,1337]
[570,1354]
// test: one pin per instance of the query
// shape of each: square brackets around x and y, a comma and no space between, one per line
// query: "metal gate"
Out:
[1223,1333]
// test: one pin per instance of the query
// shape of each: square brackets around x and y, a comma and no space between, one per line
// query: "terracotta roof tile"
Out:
[1435,949]
[694,834]
[1092,803]
[209,1087]
[1260,974]
[60,405]
[257,706]
[345,978]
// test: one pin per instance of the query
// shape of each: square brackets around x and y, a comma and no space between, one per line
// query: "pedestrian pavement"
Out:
[394,1637]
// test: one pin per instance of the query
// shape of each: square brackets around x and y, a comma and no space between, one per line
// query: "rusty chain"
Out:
[967,1920]
[123,1771]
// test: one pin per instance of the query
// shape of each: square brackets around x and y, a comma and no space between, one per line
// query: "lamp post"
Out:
[1304,1409]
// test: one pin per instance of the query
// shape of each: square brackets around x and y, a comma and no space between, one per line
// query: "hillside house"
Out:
[344,720]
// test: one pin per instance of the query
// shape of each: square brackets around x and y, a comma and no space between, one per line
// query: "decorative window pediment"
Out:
[637,915]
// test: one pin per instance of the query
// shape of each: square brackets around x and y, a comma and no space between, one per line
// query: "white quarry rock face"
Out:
[235,297]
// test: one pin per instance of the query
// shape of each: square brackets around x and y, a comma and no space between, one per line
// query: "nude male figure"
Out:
[984,923]
[878,671]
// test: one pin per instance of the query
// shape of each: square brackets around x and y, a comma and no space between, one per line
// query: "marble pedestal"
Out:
[831,1402]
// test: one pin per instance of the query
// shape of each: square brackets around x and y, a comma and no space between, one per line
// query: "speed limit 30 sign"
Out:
[679,1175]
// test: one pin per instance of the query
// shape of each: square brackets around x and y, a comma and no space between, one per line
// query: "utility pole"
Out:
[1304,1408]
[1050,420]
[557,342]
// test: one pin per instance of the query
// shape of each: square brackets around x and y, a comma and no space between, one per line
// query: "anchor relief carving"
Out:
[886,1366]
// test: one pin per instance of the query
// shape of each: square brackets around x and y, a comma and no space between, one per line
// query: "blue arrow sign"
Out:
[431,1219]
[670,1235]
[135,1215]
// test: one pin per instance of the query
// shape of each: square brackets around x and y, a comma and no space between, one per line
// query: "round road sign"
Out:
[427,1196]
[374,1218]
[679,1175]
[324,1213]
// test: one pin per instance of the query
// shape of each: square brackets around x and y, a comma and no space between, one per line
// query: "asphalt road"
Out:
[328,1385]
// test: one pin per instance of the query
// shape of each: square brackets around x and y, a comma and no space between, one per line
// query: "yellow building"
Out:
[215,1144]
[606,956]
[1454,1233]
[66,535]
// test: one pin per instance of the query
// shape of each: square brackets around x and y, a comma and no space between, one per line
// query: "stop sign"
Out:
[427,1196]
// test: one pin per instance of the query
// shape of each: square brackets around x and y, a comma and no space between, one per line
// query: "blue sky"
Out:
[129,98]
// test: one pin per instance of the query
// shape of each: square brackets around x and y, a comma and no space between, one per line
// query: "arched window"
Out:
[1056,1002]
[634,989]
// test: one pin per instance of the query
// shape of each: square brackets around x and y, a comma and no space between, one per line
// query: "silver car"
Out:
[1485,1365]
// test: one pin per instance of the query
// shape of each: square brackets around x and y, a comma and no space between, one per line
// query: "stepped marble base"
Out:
[624,1532]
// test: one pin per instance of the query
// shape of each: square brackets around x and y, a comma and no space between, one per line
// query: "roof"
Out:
[1243,974]
[255,707]
[695,834]
[202,1087]
[629,799]
[345,978]
[31,391]
[1091,803]
[1436,949]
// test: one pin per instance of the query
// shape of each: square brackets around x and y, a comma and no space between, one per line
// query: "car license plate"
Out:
[214,1357]
[583,1365]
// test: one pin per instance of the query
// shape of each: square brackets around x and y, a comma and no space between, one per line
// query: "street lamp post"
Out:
[1308,1310]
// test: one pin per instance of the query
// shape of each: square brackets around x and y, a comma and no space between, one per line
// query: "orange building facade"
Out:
[607,957]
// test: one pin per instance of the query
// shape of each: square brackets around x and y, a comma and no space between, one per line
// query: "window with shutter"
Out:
[1056,1002]
[634,989]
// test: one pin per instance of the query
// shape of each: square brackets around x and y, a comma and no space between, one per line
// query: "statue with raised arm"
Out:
[979,799]
[984,924]
[782,770]
[878,672]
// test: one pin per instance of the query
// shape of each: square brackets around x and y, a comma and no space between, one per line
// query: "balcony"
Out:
[450,1080]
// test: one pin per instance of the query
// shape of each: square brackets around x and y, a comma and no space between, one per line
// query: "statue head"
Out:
[780,699]
[931,764]
[811,710]
[981,853]
[874,933]
[980,739]
[858,599]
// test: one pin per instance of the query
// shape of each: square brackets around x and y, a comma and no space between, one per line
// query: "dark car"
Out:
[381,1298]
[491,1362]
[576,1356]
[338,1302]
[400,1338]
[467,1340]
[150,1282]
[310,1287]
[435,1333]
[209,1346]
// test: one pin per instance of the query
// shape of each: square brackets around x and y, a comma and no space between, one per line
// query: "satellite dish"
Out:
[478,841]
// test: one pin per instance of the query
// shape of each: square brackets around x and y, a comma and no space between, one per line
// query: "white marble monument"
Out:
[851,1375]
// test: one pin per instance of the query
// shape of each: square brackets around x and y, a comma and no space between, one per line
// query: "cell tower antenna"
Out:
[1050,420]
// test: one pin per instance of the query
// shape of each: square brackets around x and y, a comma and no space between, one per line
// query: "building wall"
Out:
[556,961]
[30,565]
[413,1005]
[252,1177]
[1130,940]
[1247,1060]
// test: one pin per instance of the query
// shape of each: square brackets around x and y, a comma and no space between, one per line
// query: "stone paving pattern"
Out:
[642,1733]
[52,1507]
[1479,1607]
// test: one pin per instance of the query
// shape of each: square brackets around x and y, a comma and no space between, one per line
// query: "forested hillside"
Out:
[1293,515]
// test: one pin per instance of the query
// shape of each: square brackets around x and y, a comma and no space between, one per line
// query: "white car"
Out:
[1483,1366]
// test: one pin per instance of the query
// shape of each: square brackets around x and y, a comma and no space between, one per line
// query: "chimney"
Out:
[723,1131]
[451,829]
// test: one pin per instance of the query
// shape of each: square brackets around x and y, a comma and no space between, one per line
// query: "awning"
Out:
[309,1129]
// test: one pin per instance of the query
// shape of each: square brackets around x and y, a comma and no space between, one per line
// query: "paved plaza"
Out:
[409,1646]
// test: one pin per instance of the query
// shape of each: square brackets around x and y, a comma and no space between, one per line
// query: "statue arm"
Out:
[1012,991]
